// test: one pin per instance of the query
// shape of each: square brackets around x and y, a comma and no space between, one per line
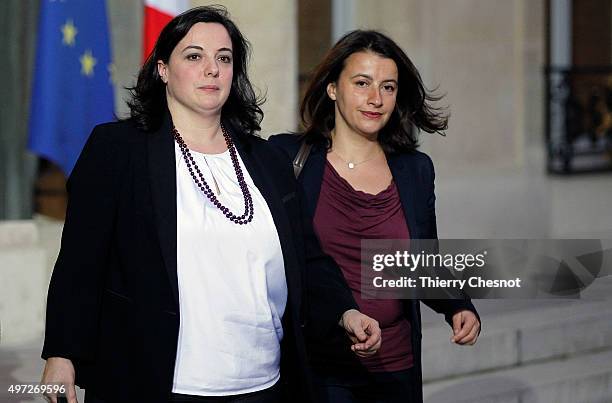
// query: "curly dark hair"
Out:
[413,110]
[148,102]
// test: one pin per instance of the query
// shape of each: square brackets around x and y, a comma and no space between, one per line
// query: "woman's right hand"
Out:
[363,331]
[59,371]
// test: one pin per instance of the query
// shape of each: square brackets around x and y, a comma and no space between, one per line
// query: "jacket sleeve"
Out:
[447,307]
[327,294]
[75,288]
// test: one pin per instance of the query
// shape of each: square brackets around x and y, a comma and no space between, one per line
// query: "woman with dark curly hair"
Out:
[364,179]
[181,271]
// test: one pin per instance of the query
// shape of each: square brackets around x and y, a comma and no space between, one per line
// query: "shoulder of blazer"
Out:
[267,148]
[288,143]
[271,157]
[122,131]
[416,157]
[106,149]
[417,162]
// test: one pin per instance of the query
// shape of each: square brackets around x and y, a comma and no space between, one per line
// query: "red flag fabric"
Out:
[157,13]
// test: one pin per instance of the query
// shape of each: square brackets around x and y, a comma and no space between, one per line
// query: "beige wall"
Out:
[270,26]
[487,56]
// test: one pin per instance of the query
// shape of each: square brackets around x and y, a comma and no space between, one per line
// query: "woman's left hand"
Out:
[363,331]
[466,328]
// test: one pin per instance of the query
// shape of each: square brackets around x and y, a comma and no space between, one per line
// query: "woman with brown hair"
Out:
[364,179]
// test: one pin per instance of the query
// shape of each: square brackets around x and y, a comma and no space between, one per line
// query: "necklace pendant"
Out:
[351,165]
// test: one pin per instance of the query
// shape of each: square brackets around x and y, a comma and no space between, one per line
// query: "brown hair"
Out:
[413,111]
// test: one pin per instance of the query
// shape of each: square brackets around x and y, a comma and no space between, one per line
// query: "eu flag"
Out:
[72,89]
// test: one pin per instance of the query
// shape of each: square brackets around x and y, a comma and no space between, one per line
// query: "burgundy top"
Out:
[342,218]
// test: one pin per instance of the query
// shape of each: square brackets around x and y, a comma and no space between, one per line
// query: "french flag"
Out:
[157,13]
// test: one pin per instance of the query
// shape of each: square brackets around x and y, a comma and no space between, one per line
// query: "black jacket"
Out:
[413,174]
[113,306]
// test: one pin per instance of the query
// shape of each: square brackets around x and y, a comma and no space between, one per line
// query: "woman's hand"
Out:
[466,327]
[59,371]
[363,331]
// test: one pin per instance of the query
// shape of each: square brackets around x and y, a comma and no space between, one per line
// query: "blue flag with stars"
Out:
[72,89]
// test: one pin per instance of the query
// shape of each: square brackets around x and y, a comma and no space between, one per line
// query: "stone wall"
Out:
[487,57]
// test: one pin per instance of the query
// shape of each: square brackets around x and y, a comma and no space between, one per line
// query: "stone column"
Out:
[125,19]
[343,18]
[560,57]
[561,33]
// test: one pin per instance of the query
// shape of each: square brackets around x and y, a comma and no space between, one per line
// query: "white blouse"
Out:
[232,286]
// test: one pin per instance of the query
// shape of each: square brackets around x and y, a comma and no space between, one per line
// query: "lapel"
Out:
[162,177]
[263,175]
[404,174]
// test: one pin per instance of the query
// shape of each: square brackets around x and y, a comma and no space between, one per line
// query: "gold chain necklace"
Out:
[352,164]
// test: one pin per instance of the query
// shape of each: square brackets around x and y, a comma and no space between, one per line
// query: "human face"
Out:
[364,94]
[199,71]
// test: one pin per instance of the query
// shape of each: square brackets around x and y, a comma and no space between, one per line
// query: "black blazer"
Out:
[113,305]
[413,174]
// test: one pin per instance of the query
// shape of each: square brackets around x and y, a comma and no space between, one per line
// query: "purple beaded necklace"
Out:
[245,218]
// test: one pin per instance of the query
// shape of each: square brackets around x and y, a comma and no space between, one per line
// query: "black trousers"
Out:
[385,387]
[271,395]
